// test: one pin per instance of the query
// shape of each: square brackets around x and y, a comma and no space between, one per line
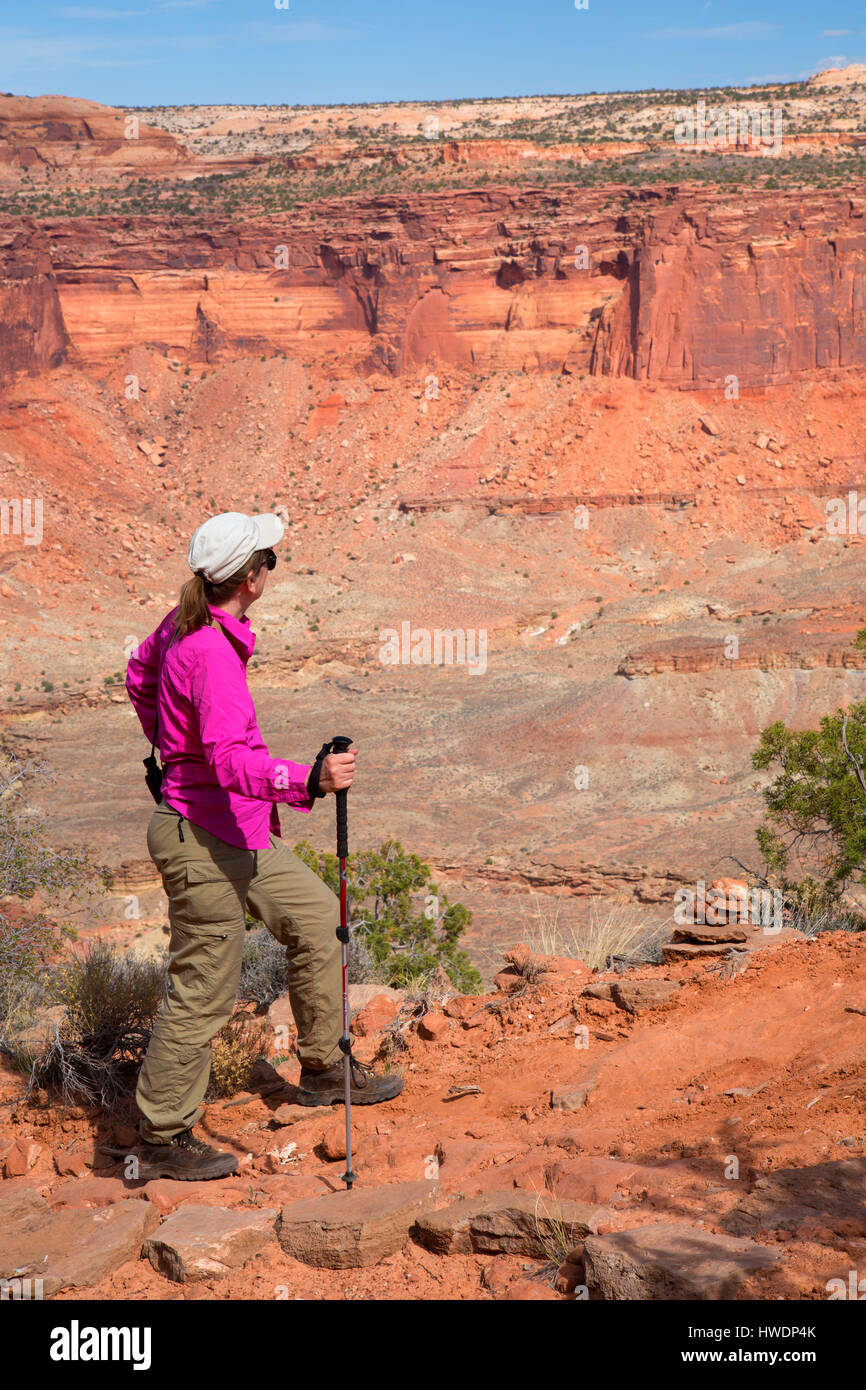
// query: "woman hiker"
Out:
[215,838]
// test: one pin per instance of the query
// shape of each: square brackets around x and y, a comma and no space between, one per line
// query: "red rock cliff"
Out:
[681,287]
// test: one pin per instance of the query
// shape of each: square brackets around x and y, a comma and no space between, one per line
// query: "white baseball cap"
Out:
[222,544]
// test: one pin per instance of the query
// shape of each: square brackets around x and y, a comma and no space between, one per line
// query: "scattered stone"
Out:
[599,989]
[333,1141]
[709,425]
[461,1006]
[349,1230]
[512,1222]
[508,980]
[289,1114]
[570,1100]
[434,1027]
[570,1273]
[202,1242]
[671,1261]
[70,1164]
[637,996]
[21,1157]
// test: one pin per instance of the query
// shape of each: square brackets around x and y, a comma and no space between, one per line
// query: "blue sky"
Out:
[158,52]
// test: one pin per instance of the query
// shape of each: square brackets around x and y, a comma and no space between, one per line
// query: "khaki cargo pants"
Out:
[210,884]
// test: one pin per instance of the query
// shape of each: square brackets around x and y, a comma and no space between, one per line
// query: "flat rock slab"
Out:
[636,996]
[71,1248]
[199,1243]
[348,1230]
[599,1179]
[793,1199]
[671,1261]
[756,939]
[709,934]
[511,1222]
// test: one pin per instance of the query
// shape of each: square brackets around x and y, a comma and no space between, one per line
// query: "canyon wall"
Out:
[33,336]
[670,286]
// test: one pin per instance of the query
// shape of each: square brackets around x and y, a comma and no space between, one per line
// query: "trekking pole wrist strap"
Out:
[316,771]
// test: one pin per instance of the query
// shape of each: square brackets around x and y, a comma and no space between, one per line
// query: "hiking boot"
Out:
[186,1158]
[329,1086]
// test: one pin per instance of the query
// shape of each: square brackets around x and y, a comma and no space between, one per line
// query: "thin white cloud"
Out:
[302,31]
[23,51]
[835,33]
[106,12]
[746,29]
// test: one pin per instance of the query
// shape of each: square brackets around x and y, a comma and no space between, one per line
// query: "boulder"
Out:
[199,1242]
[361,994]
[374,1016]
[670,1261]
[511,1222]
[352,1229]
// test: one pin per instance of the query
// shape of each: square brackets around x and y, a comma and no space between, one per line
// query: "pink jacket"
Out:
[218,771]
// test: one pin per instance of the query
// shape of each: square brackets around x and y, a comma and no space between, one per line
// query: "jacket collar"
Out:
[238,629]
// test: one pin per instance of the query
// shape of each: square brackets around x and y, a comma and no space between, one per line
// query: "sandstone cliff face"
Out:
[33,337]
[797,651]
[65,133]
[680,288]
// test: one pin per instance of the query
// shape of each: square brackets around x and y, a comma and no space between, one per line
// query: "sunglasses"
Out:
[271,560]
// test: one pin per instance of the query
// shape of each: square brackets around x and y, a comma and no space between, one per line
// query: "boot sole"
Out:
[338,1097]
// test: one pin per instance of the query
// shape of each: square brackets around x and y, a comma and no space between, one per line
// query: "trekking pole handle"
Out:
[341,744]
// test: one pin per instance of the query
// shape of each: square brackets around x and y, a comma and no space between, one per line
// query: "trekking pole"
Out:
[341,745]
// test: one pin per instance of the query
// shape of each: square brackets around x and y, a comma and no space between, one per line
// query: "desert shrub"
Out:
[615,932]
[111,1000]
[399,933]
[236,1049]
[813,837]
[264,969]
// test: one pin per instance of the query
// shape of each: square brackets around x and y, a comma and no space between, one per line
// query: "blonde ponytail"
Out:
[198,593]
